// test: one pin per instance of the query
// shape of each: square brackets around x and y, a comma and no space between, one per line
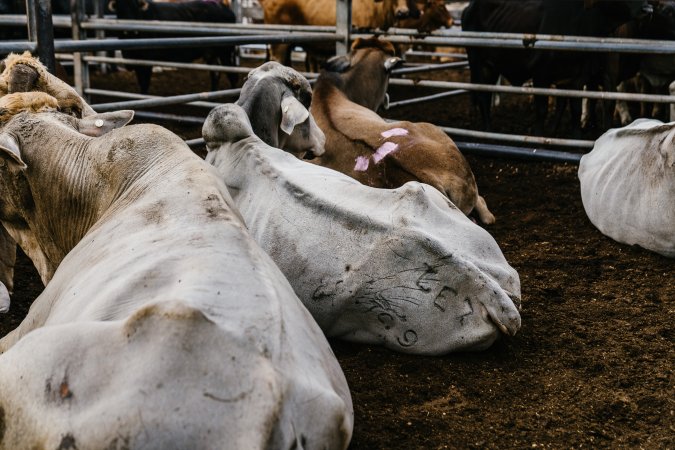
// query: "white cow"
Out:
[628,185]
[164,326]
[399,267]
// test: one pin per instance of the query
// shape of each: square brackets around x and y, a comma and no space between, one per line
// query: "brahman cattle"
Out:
[164,325]
[568,69]
[277,99]
[193,11]
[378,153]
[403,268]
[628,185]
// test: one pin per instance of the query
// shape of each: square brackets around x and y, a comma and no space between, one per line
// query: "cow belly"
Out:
[167,377]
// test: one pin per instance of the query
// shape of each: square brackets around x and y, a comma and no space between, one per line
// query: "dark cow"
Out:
[655,71]
[568,69]
[193,11]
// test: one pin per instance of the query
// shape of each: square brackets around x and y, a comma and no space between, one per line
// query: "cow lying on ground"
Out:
[165,325]
[377,153]
[193,11]
[628,185]
[401,268]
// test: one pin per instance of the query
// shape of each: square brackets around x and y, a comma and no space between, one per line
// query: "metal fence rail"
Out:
[240,34]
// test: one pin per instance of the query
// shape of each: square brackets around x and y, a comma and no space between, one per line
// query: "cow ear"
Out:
[100,124]
[338,64]
[292,113]
[9,150]
[144,5]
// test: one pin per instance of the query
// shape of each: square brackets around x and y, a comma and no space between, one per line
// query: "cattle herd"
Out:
[187,302]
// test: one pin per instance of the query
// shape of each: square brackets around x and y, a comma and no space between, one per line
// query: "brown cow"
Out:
[432,15]
[365,14]
[377,153]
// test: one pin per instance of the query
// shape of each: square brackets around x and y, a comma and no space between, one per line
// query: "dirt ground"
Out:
[591,367]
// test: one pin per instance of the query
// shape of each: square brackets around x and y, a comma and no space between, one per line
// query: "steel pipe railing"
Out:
[427,98]
[644,46]
[521,139]
[195,142]
[186,26]
[18,46]
[185,42]
[166,101]
[133,96]
[431,67]
[187,120]
[536,154]
[535,91]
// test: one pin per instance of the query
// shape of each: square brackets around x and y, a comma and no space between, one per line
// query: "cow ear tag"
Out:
[9,150]
[292,114]
[100,124]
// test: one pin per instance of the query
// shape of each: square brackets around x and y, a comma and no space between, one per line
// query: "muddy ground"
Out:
[591,367]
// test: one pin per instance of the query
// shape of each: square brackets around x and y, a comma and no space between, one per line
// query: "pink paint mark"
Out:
[384,150]
[361,164]
[394,132]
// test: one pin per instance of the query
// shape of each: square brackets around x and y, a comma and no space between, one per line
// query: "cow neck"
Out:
[232,158]
[56,159]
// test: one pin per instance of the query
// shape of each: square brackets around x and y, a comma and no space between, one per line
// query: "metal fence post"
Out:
[343,25]
[31,14]
[80,67]
[43,32]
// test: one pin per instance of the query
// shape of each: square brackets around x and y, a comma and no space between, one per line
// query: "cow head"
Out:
[277,99]
[23,73]
[365,71]
[434,15]
[621,11]
[662,25]
[28,171]
[129,9]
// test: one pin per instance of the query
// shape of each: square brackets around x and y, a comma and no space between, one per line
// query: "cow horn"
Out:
[392,62]
[144,5]
[112,5]
[22,78]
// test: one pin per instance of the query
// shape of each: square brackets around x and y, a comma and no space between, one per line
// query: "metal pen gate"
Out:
[82,51]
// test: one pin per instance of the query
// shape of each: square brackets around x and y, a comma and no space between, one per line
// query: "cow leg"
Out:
[575,117]
[560,106]
[143,74]
[540,109]
[622,109]
[483,75]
